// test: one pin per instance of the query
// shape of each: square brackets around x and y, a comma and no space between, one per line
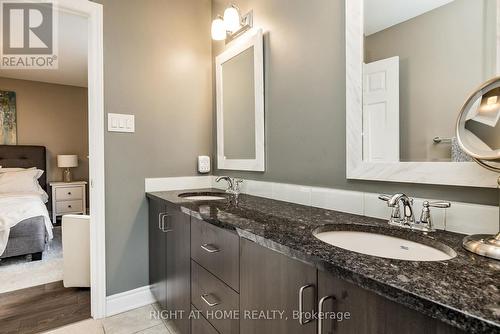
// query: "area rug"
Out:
[19,272]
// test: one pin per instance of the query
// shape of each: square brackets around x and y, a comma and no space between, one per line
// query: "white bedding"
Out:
[16,207]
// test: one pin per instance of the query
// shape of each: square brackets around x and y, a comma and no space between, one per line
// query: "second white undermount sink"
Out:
[385,246]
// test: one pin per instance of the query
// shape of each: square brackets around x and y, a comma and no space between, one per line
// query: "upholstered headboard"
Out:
[25,157]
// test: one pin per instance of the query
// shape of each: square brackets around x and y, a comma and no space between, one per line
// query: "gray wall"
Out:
[305,100]
[157,67]
[54,116]
[444,55]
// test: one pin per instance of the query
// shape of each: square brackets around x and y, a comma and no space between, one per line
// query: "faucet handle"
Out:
[237,183]
[384,197]
[438,204]
[425,222]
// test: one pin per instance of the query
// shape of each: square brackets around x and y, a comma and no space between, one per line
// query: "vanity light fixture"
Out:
[231,25]
[218,29]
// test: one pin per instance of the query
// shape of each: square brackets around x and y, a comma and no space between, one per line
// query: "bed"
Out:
[30,235]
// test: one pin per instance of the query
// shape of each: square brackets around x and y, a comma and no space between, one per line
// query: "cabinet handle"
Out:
[69,192]
[69,206]
[163,224]
[301,304]
[160,219]
[205,298]
[320,312]
[210,248]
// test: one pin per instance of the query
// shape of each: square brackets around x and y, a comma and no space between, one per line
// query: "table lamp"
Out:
[67,162]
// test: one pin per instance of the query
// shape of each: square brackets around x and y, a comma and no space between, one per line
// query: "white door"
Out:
[381,110]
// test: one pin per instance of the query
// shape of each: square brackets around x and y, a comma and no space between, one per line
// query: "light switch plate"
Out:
[204,164]
[121,123]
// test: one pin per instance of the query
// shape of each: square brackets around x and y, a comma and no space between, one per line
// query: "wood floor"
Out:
[44,307]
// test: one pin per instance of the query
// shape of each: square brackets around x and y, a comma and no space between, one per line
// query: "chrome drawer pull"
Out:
[165,230]
[205,298]
[209,248]
[160,219]
[301,304]
[320,312]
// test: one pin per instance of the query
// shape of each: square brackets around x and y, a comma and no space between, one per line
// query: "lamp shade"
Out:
[67,161]
[232,19]
[218,30]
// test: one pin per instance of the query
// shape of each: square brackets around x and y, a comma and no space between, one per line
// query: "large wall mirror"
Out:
[240,104]
[410,67]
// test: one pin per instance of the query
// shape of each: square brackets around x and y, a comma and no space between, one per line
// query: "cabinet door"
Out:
[369,313]
[157,252]
[178,267]
[273,282]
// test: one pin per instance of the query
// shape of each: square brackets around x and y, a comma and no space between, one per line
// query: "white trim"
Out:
[443,173]
[253,39]
[94,12]
[177,183]
[129,300]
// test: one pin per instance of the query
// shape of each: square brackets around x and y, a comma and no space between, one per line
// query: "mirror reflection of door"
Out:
[381,110]
[446,49]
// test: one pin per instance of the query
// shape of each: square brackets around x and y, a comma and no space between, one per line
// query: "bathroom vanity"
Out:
[257,261]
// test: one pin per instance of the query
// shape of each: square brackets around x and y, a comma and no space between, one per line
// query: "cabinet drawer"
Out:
[213,298]
[217,250]
[69,193]
[200,325]
[69,206]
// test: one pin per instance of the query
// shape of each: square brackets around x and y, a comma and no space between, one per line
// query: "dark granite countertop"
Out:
[463,292]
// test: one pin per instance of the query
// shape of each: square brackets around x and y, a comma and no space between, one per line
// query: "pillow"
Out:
[24,181]
[9,170]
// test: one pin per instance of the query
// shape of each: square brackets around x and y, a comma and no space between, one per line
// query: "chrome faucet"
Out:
[402,214]
[233,185]
[408,218]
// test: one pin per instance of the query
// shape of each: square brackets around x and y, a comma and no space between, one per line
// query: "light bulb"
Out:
[492,100]
[218,30]
[232,19]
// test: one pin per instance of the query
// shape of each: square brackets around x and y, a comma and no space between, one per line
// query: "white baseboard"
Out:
[129,300]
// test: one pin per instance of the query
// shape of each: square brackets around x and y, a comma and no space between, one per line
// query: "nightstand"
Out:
[68,198]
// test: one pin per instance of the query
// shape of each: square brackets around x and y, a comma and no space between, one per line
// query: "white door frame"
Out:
[94,13]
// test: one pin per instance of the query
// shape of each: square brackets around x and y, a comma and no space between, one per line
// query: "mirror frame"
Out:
[252,38]
[467,174]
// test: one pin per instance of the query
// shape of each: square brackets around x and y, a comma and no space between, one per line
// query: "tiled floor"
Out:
[138,321]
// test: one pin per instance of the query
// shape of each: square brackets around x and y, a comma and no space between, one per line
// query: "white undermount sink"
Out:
[385,246]
[203,196]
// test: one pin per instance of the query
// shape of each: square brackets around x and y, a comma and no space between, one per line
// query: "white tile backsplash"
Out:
[292,193]
[374,207]
[338,200]
[472,218]
[460,217]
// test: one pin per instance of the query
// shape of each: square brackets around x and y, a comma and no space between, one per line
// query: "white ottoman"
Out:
[76,250]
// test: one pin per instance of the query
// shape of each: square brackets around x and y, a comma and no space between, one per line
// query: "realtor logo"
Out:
[28,35]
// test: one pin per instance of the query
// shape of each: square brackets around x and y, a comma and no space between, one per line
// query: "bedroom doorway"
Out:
[91,13]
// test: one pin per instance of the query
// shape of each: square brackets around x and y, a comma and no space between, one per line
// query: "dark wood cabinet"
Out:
[195,264]
[157,252]
[273,282]
[349,309]
[169,260]
[178,266]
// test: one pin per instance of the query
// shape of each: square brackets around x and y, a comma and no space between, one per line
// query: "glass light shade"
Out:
[232,19]
[218,30]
